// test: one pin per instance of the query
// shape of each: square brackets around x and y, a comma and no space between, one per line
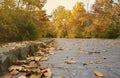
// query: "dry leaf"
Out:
[92,53]
[32,64]
[97,73]
[99,62]
[19,68]
[30,58]
[87,63]
[51,53]
[42,49]
[60,67]
[25,66]
[21,62]
[22,77]
[36,76]
[37,58]
[52,49]
[39,53]
[70,61]
[43,68]
[48,73]
[60,48]
[14,72]
[36,70]
[44,59]
[61,77]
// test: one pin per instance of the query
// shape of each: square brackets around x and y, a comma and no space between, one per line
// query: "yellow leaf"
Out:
[32,64]
[19,68]
[30,58]
[70,61]
[61,77]
[48,73]
[14,72]
[44,59]
[21,62]
[35,76]
[97,73]
[60,67]
[37,58]
[42,50]
[22,77]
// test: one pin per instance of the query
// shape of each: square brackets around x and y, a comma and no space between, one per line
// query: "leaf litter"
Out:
[31,66]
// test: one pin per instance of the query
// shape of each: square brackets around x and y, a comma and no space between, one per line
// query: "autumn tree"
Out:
[8,30]
[22,20]
[59,18]
[114,29]
[76,22]
[100,17]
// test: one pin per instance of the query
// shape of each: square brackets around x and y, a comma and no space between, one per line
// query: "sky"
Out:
[68,4]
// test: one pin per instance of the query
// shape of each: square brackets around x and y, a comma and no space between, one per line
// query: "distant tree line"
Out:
[103,21]
[26,20]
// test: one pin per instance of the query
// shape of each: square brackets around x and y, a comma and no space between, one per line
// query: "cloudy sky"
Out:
[52,4]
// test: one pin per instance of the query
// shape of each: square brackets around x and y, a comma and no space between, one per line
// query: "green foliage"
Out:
[26,27]
[18,23]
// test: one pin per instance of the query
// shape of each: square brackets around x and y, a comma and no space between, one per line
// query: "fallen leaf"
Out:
[32,64]
[61,77]
[37,58]
[30,58]
[60,48]
[70,61]
[92,53]
[60,67]
[44,59]
[97,73]
[39,53]
[52,49]
[25,66]
[51,53]
[14,72]
[98,62]
[19,68]
[36,70]
[21,62]
[36,76]
[48,73]
[43,67]
[22,77]
[42,49]
[88,62]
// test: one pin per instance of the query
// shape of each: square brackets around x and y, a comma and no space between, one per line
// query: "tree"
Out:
[76,22]
[114,29]
[102,15]
[20,23]
[59,19]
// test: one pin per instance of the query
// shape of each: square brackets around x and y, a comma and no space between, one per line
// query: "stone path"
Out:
[107,61]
